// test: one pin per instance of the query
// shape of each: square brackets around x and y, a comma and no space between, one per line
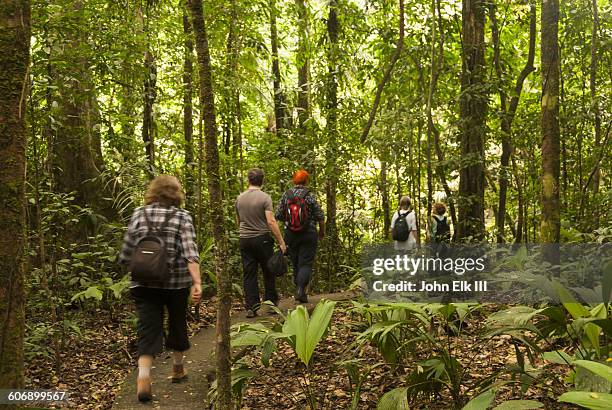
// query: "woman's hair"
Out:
[405,202]
[165,189]
[439,208]
[255,176]
[300,177]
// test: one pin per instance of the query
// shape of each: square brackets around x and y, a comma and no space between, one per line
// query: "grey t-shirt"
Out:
[251,206]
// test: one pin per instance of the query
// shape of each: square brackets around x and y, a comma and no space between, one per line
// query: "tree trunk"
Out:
[384,190]
[188,112]
[149,95]
[279,97]
[77,153]
[332,139]
[14,63]
[595,102]
[431,127]
[507,114]
[473,112]
[550,227]
[216,214]
[303,92]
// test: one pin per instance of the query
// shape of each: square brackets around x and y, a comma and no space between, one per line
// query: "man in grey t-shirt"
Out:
[256,220]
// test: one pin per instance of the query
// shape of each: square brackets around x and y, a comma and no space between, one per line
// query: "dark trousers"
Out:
[302,251]
[256,252]
[150,303]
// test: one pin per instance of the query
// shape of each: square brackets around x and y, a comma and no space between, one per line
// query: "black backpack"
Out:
[442,230]
[149,262]
[296,212]
[401,230]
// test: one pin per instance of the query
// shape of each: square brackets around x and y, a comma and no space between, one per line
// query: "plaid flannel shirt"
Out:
[179,235]
[315,213]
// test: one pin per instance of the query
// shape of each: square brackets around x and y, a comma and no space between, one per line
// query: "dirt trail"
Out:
[199,362]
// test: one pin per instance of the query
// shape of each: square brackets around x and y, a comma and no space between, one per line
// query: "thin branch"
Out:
[387,74]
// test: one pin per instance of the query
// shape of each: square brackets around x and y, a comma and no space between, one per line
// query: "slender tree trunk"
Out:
[188,111]
[14,63]
[279,97]
[473,111]
[384,190]
[507,113]
[431,127]
[149,95]
[386,75]
[216,211]
[332,139]
[595,101]
[550,227]
[303,66]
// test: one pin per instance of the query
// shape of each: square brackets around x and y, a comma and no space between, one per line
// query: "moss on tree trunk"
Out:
[473,111]
[14,60]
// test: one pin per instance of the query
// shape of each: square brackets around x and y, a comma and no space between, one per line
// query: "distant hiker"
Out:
[299,209]
[404,227]
[159,248]
[440,230]
[255,215]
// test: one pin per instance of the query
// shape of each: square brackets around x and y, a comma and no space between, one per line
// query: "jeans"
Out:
[256,252]
[150,303]
[302,251]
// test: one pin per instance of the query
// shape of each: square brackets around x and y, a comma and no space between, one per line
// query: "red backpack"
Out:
[296,210]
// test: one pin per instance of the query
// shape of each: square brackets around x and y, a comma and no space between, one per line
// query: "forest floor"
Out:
[98,367]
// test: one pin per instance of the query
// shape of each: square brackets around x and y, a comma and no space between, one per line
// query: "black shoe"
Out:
[251,313]
[300,295]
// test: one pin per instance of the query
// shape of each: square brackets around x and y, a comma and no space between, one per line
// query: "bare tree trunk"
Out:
[14,63]
[386,75]
[507,114]
[386,208]
[149,95]
[550,227]
[473,111]
[279,97]
[216,211]
[594,101]
[303,96]
[431,127]
[332,140]
[188,111]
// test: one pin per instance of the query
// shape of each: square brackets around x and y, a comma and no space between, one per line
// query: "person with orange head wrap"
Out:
[301,212]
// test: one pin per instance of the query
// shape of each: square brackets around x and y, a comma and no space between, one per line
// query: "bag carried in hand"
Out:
[149,262]
[401,230]
[277,264]
[297,210]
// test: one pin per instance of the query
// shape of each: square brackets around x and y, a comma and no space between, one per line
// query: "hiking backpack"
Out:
[442,230]
[149,262]
[296,210]
[401,230]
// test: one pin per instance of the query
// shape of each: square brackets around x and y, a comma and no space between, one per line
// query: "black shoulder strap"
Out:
[163,225]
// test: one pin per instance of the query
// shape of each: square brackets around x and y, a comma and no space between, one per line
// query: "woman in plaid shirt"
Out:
[162,206]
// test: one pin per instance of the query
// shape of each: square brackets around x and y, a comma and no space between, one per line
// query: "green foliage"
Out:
[589,400]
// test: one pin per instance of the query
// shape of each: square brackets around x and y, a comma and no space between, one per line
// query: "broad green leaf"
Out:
[481,402]
[590,400]
[567,300]
[558,357]
[396,399]
[519,405]
[599,369]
